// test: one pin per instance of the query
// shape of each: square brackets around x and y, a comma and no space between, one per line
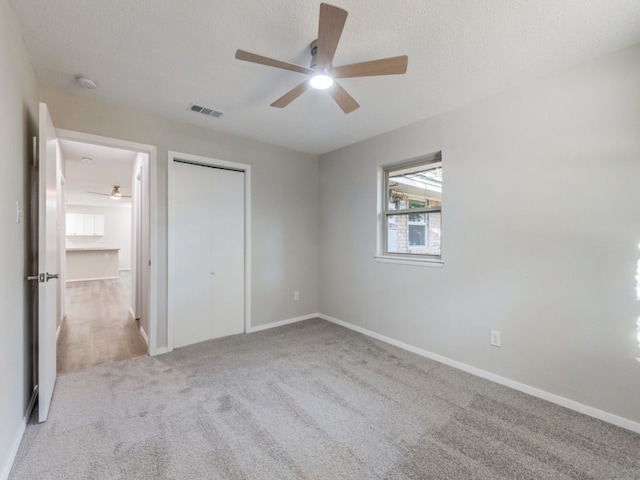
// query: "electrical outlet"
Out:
[495,338]
[296,295]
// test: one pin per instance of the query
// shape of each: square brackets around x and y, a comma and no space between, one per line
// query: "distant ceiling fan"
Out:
[115,193]
[321,72]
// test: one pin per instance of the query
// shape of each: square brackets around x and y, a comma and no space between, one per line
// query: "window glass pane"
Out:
[415,187]
[405,235]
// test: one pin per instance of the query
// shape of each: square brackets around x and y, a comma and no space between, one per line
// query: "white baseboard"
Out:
[158,351]
[536,392]
[282,323]
[6,468]
[144,335]
[132,314]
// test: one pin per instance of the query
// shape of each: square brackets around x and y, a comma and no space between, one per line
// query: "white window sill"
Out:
[418,262]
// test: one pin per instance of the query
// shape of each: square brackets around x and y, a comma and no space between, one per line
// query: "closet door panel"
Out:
[191,256]
[227,244]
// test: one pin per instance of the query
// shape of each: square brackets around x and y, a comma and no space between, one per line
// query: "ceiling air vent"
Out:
[205,110]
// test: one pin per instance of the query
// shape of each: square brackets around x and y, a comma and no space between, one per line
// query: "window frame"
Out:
[430,161]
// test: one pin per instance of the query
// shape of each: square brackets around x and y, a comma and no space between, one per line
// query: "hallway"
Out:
[98,328]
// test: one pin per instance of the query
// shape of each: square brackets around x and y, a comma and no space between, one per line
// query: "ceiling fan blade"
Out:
[270,62]
[291,95]
[383,66]
[332,20]
[109,195]
[343,99]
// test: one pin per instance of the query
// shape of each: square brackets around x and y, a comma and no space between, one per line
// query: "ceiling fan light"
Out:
[321,81]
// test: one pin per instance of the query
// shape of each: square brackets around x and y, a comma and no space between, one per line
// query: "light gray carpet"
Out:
[310,401]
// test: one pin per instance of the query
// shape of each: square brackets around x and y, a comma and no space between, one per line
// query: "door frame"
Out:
[209,162]
[152,281]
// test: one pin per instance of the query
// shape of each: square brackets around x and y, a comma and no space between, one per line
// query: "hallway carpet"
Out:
[310,401]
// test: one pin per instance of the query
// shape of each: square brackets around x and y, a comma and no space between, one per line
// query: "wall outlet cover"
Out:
[495,338]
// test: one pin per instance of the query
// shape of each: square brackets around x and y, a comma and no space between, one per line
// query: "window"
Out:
[412,208]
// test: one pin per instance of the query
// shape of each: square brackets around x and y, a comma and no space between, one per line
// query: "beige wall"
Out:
[284,200]
[18,122]
[541,226]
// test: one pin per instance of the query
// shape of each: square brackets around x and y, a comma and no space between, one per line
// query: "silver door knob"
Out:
[43,277]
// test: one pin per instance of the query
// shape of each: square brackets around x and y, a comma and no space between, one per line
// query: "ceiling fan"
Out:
[115,193]
[321,72]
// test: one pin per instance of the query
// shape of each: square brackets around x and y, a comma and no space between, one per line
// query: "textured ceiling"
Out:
[161,55]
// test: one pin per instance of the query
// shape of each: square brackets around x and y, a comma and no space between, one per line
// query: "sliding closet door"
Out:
[227,243]
[206,253]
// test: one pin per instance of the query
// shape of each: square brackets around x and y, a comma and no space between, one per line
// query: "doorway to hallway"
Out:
[101,222]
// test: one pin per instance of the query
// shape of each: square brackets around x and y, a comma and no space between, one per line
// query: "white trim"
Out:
[536,392]
[172,156]
[6,468]
[132,314]
[151,151]
[281,323]
[159,351]
[101,140]
[14,450]
[91,279]
[381,255]
[128,269]
[153,293]
[144,335]
[247,251]
[416,262]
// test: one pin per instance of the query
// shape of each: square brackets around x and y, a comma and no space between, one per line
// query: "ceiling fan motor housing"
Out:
[314,51]
[321,71]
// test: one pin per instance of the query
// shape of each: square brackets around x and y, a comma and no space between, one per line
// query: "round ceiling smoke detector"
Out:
[86,82]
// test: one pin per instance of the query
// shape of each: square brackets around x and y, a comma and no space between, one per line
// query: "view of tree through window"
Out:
[413,208]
